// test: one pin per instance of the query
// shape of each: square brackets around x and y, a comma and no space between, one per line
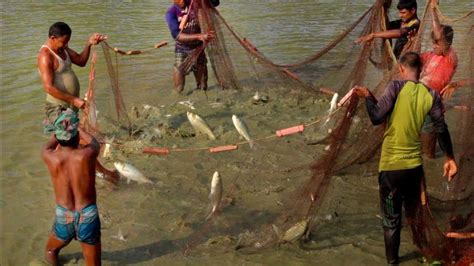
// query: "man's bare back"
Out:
[72,169]
[72,172]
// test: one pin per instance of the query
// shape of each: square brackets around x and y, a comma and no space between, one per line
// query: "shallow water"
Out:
[159,220]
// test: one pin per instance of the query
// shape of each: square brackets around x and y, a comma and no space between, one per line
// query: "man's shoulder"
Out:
[394,24]
[414,23]
[44,52]
[397,84]
[425,56]
[80,153]
[453,55]
[173,10]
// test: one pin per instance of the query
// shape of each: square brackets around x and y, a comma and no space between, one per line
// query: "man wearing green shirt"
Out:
[404,107]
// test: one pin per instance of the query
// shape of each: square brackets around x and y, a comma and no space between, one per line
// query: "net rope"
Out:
[238,65]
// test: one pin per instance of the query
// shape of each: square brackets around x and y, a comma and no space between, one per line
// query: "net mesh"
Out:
[337,139]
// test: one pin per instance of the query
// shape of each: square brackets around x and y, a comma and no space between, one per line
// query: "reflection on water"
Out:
[156,219]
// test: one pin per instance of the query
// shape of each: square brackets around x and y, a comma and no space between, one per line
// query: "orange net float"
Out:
[346,98]
[290,131]
[117,50]
[223,148]
[460,235]
[161,44]
[327,91]
[462,107]
[132,52]
[155,150]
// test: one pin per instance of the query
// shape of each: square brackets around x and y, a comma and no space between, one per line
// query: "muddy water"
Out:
[160,221]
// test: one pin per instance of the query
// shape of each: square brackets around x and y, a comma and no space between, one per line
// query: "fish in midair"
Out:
[215,195]
[131,173]
[200,125]
[242,129]
[293,233]
[332,106]
[188,103]
[107,147]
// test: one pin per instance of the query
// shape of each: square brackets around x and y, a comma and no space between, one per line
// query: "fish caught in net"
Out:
[335,140]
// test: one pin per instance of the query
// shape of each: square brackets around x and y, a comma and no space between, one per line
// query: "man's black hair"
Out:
[214,3]
[59,29]
[73,142]
[411,60]
[407,4]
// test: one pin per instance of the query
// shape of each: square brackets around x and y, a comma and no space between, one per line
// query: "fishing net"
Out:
[333,140]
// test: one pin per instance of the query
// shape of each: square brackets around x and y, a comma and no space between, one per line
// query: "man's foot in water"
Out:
[177,92]
[196,90]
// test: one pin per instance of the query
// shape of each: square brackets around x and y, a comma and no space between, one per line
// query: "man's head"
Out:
[65,128]
[409,64]
[182,3]
[59,35]
[441,45]
[407,9]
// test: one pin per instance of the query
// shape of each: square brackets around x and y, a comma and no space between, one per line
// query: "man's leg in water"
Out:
[391,208]
[92,253]
[53,246]
[178,74]
[201,72]
[413,206]
[178,79]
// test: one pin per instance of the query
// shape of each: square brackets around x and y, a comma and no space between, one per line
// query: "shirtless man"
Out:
[72,169]
[55,60]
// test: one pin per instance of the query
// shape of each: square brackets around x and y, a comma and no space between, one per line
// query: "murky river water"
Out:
[156,219]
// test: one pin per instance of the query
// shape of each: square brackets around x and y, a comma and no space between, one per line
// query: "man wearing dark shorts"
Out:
[404,106]
[72,169]
[182,20]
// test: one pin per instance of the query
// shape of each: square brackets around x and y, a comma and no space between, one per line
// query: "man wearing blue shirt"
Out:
[183,23]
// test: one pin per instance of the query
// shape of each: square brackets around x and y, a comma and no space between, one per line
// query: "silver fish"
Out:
[200,125]
[120,236]
[188,103]
[294,233]
[107,147]
[259,98]
[215,195]
[332,106]
[333,103]
[242,129]
[131,173]
[256,97]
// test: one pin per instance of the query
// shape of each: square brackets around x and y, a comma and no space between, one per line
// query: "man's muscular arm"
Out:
[49,147]
[82,58]
[89,142]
